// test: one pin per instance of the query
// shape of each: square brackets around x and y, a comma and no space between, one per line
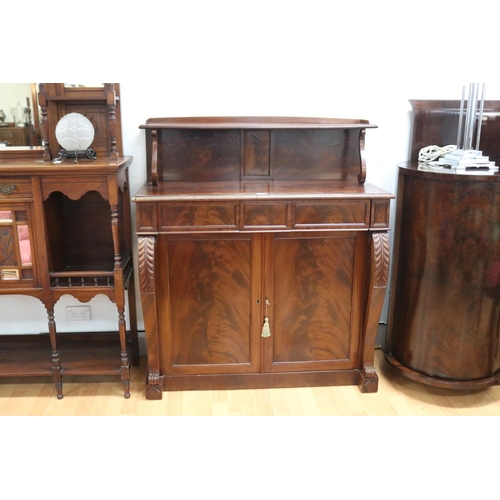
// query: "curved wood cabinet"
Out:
[444,315]
[248,222]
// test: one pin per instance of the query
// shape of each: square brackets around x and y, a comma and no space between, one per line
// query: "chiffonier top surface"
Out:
[254,122]
[258,190]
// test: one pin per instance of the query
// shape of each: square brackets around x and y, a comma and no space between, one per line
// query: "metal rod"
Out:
[471,116]
[480,119]
[467,118]
[460,121]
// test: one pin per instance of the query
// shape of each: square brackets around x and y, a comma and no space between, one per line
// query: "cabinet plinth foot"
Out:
[368,380]
[154,387]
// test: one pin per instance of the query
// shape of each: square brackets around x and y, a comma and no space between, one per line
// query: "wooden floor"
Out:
[103,396]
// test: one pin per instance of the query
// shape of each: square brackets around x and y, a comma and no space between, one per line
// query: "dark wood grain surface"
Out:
[248,222]
[445,305]
[210,286]
[313,301]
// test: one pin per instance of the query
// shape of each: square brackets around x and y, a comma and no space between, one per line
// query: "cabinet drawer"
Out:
[15,188]
[262,215]
[198,216]
[351,214]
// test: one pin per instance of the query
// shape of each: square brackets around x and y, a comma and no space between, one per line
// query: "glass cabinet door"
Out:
[16,257]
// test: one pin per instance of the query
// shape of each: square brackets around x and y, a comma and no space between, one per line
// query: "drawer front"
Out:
[380,214]
[146,217]
[265,215]
[15,188]
[351,214]
[198,216]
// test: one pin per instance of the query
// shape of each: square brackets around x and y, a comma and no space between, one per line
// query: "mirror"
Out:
[15,256]
[19,115]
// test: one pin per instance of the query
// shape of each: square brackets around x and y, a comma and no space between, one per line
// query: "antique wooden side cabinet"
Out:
[263,254]
[444,312]
[65,229]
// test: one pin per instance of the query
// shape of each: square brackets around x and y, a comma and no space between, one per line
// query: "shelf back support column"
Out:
[111,103]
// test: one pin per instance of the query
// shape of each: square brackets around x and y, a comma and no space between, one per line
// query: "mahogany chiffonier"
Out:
[444,313]
[65,228]
[263,254]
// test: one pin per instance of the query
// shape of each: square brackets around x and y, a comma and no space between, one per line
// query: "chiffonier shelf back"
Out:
[253,148]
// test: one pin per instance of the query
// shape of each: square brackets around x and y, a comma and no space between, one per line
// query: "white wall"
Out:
[317,58]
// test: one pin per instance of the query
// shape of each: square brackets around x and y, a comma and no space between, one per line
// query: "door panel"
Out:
[311,296]
[213,284]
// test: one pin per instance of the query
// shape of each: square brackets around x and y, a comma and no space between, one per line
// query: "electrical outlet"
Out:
[77,313]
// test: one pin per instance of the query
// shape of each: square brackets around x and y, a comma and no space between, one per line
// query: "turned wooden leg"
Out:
[125,374]
[125,363]
[56,364]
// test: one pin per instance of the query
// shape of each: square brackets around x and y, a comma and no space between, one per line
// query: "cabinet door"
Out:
[311,284]
[208,287]
[16,246]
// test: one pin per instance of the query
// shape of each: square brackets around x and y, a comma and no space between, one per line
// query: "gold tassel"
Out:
[266,331]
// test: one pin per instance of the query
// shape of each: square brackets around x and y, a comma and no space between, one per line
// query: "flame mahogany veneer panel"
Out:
[192,155]
[211,285]
[221,155]
[315,154]
[313,297]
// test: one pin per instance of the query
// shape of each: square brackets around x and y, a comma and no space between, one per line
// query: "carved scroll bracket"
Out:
[362,171]
[154,158]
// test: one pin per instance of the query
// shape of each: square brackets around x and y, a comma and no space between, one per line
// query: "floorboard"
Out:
[103,396]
